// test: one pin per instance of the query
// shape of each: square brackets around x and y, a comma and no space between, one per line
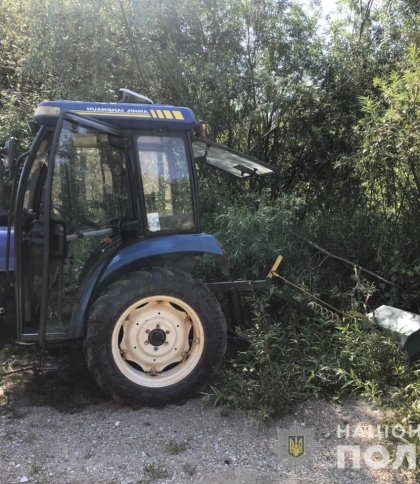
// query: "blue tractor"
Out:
[100,241]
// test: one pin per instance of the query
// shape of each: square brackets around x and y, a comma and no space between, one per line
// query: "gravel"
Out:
[103,442]
[58,427]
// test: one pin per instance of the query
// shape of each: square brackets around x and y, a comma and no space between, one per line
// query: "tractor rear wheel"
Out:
[154,337]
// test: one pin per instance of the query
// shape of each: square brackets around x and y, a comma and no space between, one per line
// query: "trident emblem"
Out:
[296,445]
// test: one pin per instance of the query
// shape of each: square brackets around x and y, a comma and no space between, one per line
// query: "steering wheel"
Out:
[66,213]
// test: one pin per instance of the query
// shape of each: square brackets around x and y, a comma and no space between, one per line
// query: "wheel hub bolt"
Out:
[167,332]
[155,348]
[147,330]
[146,342]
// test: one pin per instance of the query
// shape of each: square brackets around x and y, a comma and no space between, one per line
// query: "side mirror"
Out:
[202,130]
[8,152]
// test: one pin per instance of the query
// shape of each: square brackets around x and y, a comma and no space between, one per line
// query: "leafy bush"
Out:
[291,358]
[254,232]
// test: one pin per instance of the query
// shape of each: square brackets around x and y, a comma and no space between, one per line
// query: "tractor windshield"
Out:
[166,183]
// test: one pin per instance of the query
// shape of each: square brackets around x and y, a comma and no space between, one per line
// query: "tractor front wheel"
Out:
[154,337]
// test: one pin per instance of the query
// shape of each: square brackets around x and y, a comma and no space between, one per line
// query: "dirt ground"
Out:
[57,427]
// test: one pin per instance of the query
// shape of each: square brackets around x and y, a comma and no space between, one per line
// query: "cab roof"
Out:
[123,115]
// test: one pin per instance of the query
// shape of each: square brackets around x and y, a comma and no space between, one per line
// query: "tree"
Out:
[390,158]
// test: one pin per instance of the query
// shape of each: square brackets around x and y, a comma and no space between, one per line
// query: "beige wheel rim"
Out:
[157,341]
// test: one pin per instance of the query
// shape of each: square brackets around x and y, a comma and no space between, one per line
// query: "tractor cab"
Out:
[106,188]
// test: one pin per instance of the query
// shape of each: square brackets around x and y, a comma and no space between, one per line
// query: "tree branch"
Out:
[365,18]
[346,261]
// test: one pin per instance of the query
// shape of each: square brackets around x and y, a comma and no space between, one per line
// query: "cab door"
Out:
[86,196]
[29,236]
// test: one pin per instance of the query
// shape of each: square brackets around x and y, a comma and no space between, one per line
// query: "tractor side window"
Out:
[90,180]
[166,183]
[89,193]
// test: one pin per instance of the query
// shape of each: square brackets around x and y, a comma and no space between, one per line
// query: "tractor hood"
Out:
[123,115]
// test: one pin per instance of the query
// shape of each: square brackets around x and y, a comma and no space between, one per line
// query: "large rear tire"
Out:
[154,337]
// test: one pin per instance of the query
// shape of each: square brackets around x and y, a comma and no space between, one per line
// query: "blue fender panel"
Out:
[170,244]
[126,259]
[3,245]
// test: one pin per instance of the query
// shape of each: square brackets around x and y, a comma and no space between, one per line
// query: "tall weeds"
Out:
[292,357]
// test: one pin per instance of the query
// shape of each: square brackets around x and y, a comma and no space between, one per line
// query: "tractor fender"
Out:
[128,258]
